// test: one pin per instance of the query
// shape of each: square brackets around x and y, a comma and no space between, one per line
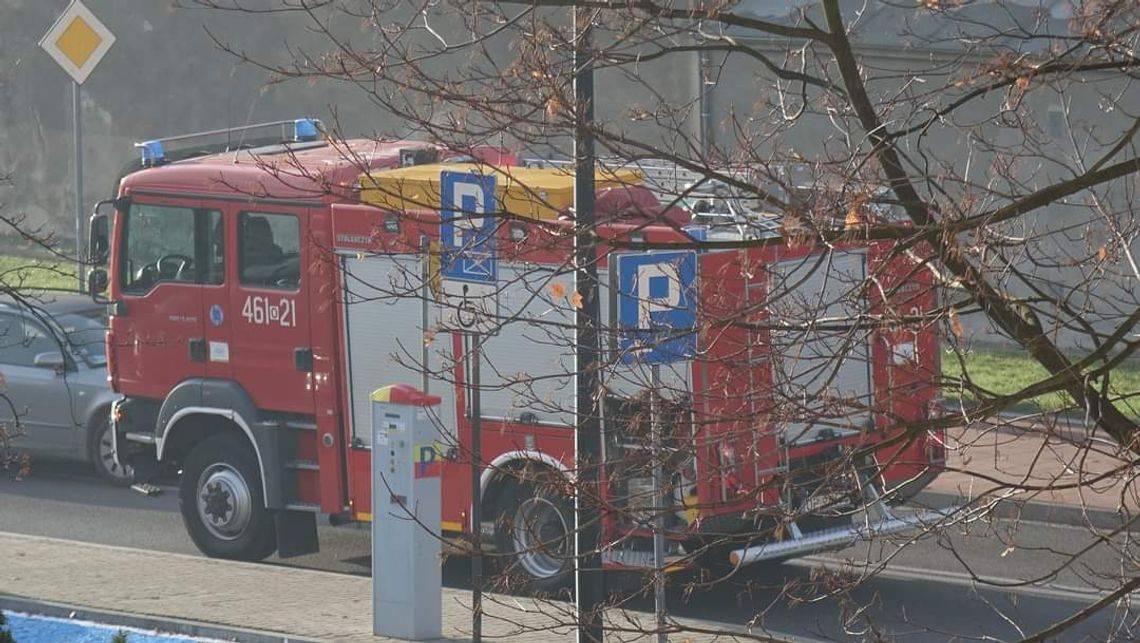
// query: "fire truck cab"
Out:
[259,295]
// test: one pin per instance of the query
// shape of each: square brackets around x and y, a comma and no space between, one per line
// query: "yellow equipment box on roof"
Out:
[534,193]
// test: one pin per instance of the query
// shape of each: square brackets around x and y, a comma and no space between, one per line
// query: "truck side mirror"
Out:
[99,229]
[99,239]
[97,284]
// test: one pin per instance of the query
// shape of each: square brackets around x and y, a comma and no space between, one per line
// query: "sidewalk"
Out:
[1069,476]
[261,603]
[258,602]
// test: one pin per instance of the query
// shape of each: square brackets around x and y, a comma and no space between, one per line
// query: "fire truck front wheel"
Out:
[221,501]
[534,537]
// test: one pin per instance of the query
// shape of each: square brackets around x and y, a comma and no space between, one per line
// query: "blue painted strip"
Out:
[26,628]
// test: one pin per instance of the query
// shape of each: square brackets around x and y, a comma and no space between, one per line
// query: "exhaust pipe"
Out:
[834,538]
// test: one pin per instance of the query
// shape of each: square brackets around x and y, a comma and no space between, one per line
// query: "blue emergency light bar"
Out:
[304,130]
[152,153]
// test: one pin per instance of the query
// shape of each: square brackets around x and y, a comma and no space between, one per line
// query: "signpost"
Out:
[468,263]
[657,318]
[77,42]
[470,270]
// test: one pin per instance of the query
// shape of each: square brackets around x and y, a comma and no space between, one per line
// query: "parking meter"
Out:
[406,464]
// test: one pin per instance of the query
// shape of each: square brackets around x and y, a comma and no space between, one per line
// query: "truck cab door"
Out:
[157,326]
[270,348]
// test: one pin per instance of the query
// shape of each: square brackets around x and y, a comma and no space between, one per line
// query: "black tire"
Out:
[101,454]
[220,478]
[546,566]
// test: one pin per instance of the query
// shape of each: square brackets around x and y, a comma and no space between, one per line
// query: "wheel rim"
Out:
[107,457]
[225,504]
[541,538]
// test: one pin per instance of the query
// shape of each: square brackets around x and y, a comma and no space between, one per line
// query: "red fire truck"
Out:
[259,295]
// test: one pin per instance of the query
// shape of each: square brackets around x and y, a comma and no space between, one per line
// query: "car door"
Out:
[270,347]
[158,324]
[37,397]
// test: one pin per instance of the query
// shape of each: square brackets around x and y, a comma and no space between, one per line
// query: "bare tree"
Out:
[984,149]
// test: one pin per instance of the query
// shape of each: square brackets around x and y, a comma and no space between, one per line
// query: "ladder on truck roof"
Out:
[711,202]
[667,180]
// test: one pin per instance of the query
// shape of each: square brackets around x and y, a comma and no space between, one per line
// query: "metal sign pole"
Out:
[655,426]
[77,41]
[77,115]
[469,272]
[474,357]
[588,579]
[426,276]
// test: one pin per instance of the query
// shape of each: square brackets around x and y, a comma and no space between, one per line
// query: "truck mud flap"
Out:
[296,533]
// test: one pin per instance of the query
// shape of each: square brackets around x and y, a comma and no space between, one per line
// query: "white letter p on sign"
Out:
[469,204]
[658,289]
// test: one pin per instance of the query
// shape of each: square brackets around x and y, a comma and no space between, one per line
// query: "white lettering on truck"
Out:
[263,311]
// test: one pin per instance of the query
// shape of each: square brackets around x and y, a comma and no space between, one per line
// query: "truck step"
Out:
[302,465]
[147,489]
[304,506]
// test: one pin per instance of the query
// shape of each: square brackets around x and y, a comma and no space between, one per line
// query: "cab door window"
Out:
[270,254]
[171,243]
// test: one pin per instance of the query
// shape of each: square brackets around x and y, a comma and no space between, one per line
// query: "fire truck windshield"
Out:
[170,243]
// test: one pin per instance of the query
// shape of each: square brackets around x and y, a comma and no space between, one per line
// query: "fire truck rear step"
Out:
[311,507]
[292,424]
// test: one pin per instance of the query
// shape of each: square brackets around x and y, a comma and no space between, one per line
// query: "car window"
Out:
[22,339]
[86,336]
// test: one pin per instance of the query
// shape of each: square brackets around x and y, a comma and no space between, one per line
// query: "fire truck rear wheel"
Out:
[534,537]
[221,500]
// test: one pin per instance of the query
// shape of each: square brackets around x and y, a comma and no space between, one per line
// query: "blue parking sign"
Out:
[467,227]
[657,306]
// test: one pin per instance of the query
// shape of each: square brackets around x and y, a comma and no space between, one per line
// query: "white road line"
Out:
[1084,594]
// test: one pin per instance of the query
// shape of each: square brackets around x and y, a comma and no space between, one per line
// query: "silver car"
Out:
[53,381]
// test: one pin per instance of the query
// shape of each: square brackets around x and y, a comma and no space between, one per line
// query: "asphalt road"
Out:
[978,581]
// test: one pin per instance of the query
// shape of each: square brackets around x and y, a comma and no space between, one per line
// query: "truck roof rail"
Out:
[303,130]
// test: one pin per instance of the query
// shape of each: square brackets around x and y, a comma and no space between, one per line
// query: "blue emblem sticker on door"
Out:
[217,315]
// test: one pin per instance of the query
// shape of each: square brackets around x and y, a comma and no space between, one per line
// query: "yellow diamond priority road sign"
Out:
[77,41]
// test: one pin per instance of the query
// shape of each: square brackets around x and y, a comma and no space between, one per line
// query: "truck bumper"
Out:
[134,448]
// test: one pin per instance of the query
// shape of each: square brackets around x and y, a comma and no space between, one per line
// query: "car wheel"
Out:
[220,497]
[534,535]
[101,453]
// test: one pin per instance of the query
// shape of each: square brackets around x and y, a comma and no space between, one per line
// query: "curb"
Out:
[1013,509]
[176,626]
